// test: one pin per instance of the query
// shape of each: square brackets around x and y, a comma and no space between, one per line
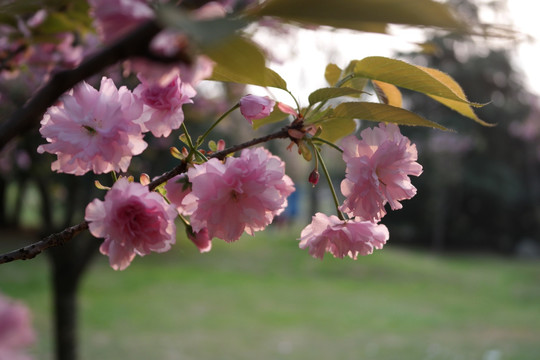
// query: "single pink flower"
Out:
[255,107]
[377,171]
[133,221]
[242,194]
[115,18]
[93,130]
[177,188]
[16,332]
[162,109]
[200,239]
[342,238]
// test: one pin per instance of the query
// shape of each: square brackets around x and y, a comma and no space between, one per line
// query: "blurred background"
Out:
[459,278]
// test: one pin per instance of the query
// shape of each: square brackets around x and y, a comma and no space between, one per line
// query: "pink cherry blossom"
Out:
[177,188]
[342,238]
[133,221]
[16,332]
[256,107]
[200,239]
[162,109]
[93,130]
[242,194]
[377,171]
[115,18]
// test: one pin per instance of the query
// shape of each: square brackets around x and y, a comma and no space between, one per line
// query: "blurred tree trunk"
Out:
[68,265]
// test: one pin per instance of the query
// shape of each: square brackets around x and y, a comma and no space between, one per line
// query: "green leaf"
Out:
[363,14]
[275,116]
[460,107]
[330,93]
[332,74]
[240,60]
[382,113]
[335,128]
[438,85]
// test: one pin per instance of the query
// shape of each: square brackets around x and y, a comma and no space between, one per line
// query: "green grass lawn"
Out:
[263,298]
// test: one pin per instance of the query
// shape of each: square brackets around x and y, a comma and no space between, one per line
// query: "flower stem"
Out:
[295,101]
[201,139]
[329,180]
[192,148]
[327,143]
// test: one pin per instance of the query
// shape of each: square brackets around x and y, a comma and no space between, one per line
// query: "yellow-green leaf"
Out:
[434,83]
[387,93]
[335,128]
[332,74]
[324,94]
[460,107]
[382,113]
[240,60]
[363,14]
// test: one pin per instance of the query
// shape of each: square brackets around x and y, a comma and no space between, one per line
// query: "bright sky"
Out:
[313,50]
[528,53]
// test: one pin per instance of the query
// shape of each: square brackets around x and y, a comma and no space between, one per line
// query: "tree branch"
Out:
[30,251]
[135,44]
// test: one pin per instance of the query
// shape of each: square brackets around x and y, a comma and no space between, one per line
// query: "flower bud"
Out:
[314,177]
[255,107]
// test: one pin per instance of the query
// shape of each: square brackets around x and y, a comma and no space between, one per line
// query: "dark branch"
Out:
[31,251]
[135,44]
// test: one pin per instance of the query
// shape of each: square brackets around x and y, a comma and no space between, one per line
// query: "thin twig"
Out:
[60,238]
[32,250]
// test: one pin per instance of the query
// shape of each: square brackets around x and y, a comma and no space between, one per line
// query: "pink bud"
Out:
[314,177]
[255,107]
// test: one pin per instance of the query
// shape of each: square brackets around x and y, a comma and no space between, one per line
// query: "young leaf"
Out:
[240,60]
[332,74]
[382,113]
[363,14]
[387,93]
[330,93]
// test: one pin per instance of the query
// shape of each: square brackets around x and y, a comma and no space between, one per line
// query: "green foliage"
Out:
[434,83]
[325,94]
[382,113]
[240,60]
[363,15]
[332,74]
[387,93]
[335,127]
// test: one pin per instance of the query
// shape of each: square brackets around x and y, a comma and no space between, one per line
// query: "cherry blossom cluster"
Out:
[101,130]
[377,172]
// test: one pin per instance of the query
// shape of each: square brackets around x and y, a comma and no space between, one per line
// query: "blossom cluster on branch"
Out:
[213,194]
